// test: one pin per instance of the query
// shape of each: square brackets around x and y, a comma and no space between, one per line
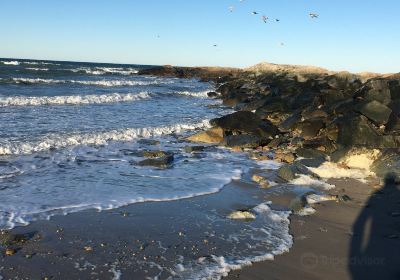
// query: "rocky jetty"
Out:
[301,111]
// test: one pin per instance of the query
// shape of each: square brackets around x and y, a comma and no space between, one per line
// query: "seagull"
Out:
[264,18]
[313,15]
[231,8]
[215,45]
[254,13]
[277,20]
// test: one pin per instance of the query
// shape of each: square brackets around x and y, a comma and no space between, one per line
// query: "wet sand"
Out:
[358,239]
[131,242]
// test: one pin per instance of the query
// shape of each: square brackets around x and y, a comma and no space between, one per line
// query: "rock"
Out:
[287,173]
[243,141]
[212,136]
[284,157]
[309,129]
[375,111]
[154,154]
[310,153]
[246,122]
[298,204]
[161,162]
[242,215]
[212,94]
[356,131]
[148,142]
[375,90]
[312,162]
[8,239]
[263,182]
[192,149]
[393,125]
[10,252]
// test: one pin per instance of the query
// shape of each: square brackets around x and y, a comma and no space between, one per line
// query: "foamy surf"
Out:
[271,237]
[58,141]
[103,83]
[15,63]
[71,99]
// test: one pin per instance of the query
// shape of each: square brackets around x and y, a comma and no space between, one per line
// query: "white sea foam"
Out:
[71,99]
[307,180]
[215,267]
[201,94]
[11,63]
[57,141]
[106,70]
[104,83]
[37,69]
[329,170]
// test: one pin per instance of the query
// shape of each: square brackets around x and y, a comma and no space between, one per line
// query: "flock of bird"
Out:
[265,19]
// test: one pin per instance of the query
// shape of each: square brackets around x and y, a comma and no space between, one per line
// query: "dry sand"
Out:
[358,239]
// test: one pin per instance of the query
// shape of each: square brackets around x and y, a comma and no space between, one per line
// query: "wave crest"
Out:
[58,141]
[71,99]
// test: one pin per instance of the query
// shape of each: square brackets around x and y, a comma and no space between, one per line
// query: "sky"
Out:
[354,35]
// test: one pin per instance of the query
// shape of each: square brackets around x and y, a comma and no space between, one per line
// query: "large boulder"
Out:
[375,111]
[375,90]
[356,131]
[243,141]
[246,122]
[393,125]
[160,162]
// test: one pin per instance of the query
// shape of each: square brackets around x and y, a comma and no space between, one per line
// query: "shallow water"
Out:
[69,140]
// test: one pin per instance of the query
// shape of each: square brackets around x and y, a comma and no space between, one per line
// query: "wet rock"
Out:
[243,141]
[192,149]
[148,142]
[242,215]
[154,154]
[161,162]
[284,157]
[246,122]
[263,182]
[287,173]
[375,111]
[298,204]
[212,94]
[212,136]
[8,239]
[10,252]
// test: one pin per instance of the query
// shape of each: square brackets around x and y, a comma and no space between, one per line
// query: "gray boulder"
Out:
[375,111]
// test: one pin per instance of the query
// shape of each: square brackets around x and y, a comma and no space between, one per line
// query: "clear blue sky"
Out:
[357,35]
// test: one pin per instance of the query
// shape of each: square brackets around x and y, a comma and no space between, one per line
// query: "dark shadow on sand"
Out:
[375,245]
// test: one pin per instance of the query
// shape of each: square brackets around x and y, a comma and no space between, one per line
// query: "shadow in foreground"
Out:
[375,245]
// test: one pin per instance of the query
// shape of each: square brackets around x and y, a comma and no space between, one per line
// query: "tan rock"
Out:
[214,135]
[261,181]
[10,252]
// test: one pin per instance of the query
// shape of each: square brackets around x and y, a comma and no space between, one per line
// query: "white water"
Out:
[71,99]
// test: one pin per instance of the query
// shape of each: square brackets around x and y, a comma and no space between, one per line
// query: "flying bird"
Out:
[313,15]
[277,20]
[254,13]
[231,8]
[215,45]
[264,18]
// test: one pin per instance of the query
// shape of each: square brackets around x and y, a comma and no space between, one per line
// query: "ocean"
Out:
[70,140]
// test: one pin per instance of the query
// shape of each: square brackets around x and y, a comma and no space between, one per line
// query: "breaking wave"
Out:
[58,141]
[10,63]
[104,83]
[71,99]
